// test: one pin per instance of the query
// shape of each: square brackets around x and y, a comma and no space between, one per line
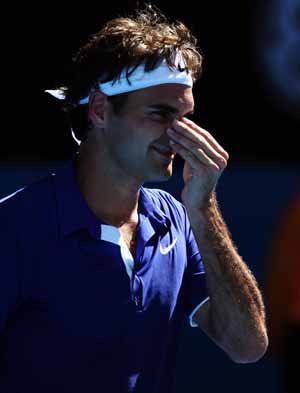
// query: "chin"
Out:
[159,165]
[161,174]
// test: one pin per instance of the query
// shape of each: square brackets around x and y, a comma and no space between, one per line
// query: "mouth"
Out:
[164,151]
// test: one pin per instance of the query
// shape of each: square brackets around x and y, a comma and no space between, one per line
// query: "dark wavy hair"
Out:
[125,43]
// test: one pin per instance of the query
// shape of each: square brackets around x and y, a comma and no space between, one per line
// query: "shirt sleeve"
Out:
[196,293]
[9,286]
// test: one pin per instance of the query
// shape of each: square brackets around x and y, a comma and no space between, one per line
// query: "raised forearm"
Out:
[237,317]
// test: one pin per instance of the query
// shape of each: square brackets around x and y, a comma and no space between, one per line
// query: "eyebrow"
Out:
[168,108]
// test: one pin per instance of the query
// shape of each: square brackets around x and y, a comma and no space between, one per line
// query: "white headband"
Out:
[139,79]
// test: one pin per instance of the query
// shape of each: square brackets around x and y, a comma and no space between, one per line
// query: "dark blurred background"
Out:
[248,98]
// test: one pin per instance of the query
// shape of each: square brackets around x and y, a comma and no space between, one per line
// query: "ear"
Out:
[97,108]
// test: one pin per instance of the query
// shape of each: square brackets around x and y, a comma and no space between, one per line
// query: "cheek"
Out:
[135,136]
[153,129]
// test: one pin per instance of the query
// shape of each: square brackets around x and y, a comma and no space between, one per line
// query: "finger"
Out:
[209,137]
[194,160]
[186,131]
[198,150]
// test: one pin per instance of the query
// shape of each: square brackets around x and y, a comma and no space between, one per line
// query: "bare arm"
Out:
[234,317]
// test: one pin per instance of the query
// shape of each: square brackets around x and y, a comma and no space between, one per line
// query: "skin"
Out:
[124,151]
[121,153]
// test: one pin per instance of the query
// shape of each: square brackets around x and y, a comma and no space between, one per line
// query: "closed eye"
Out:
[164,115]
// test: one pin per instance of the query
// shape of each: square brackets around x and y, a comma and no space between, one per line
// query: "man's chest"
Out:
[128,235]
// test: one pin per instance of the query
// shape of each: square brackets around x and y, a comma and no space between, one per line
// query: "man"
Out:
[98,272]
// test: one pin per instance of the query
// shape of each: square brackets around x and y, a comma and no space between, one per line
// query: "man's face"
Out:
[137,138]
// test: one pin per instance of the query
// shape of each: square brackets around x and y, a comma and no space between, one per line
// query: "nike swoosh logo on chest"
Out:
[165,250]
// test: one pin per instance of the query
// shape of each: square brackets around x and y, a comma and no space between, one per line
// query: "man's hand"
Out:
[204,158]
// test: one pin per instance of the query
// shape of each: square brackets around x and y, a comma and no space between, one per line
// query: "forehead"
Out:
[176,95]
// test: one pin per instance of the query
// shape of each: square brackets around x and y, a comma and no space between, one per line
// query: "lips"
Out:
[164,151]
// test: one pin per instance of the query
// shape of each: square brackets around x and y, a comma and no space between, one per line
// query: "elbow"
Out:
[251,354]
[249,357]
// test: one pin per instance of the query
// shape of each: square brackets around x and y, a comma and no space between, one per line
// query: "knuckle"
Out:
[198,150]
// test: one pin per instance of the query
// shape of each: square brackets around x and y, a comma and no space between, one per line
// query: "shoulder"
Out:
[21,206]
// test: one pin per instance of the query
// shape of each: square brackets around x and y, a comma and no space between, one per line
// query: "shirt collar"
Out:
[149,208]
[74,213]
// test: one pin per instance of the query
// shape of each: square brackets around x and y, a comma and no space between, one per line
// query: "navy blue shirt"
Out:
[77,312]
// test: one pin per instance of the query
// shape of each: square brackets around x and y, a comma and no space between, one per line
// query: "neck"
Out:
[109,193]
